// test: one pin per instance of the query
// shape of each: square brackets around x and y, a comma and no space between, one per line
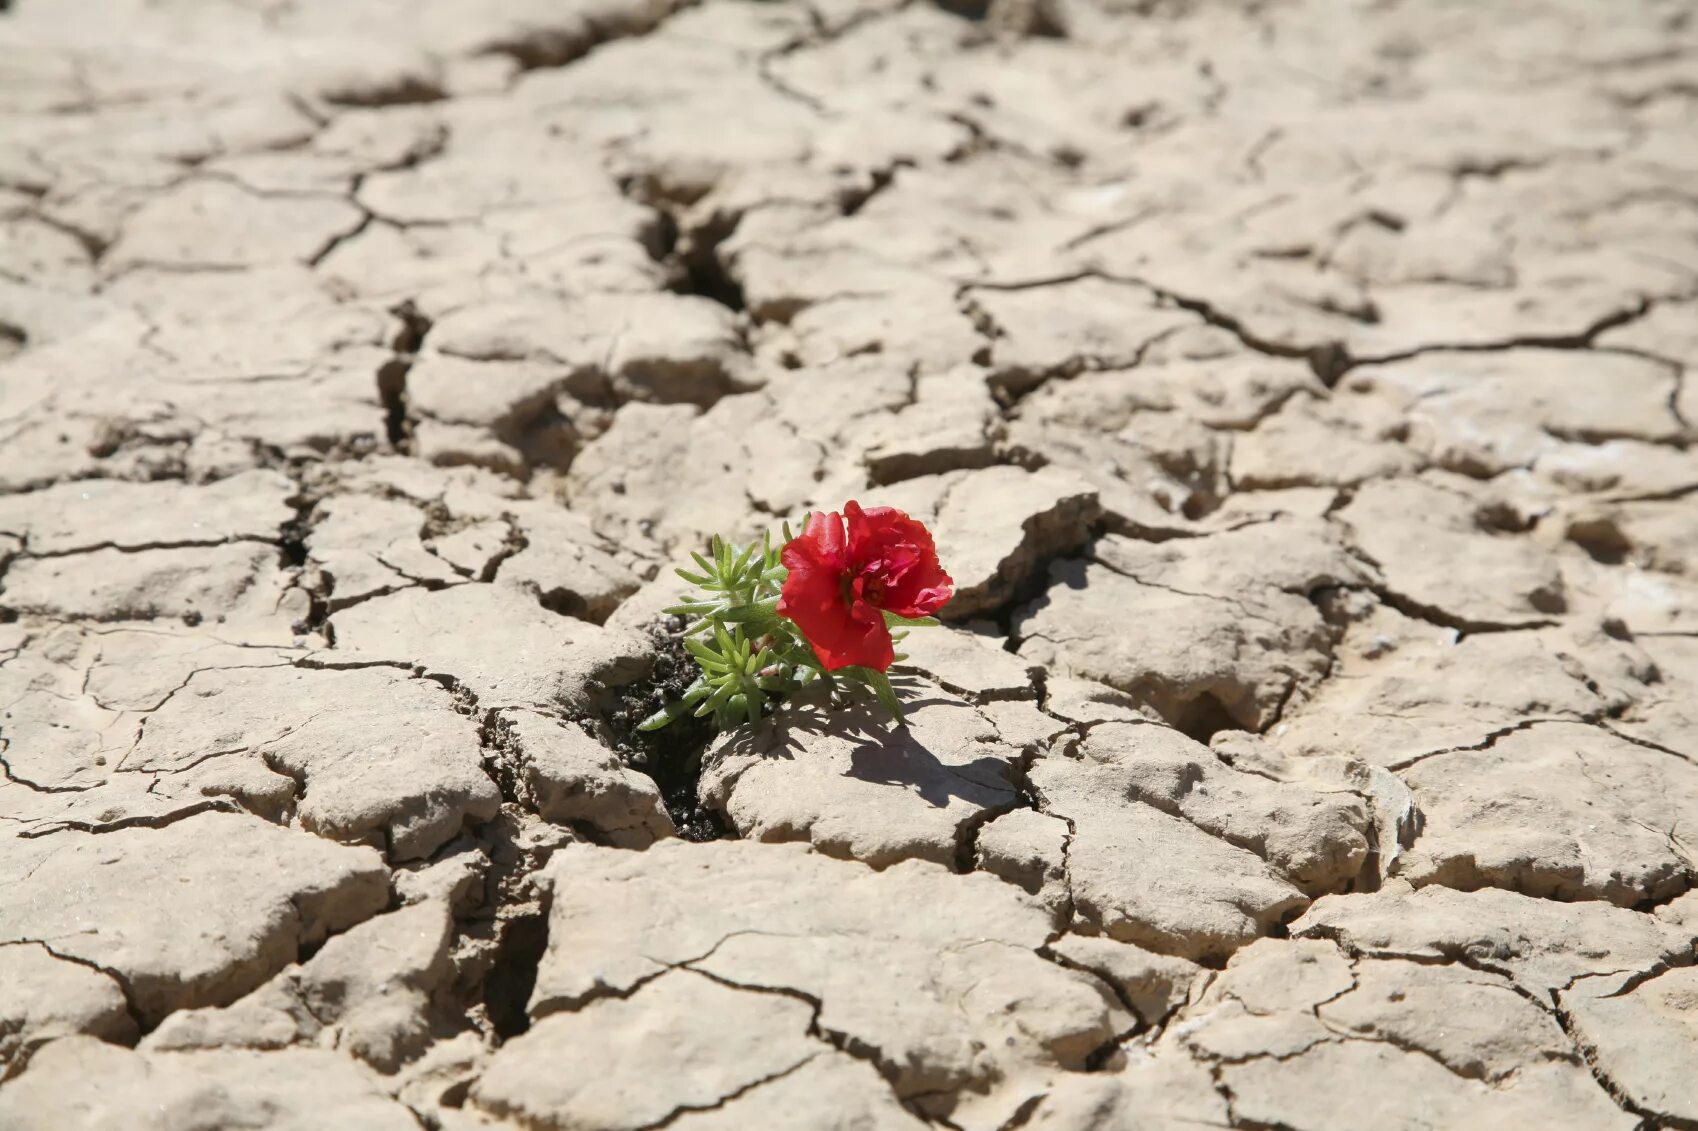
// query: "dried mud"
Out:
[1301,395]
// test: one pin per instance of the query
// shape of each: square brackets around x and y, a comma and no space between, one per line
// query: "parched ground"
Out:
[1302,396]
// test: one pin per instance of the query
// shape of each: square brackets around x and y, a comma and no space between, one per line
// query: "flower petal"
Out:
[887,544]
[821,541]
[814,597]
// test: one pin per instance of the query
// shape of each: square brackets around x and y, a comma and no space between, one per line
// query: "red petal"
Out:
[887,544]
[812,596]
[821,541]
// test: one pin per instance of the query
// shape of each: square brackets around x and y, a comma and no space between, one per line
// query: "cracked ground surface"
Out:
[1302,395]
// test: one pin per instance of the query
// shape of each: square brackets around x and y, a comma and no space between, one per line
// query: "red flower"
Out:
[838,585]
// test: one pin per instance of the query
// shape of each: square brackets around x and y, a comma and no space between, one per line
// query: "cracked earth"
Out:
[1301,394]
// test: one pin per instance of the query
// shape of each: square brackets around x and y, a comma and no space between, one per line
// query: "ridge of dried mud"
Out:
[1300,395]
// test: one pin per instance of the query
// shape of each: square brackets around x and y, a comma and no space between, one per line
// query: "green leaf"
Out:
[690,609]
[891,620]
[756,620]
[746,650]
[743,559]
[706,656]
[676,709]
[741,614]
[880,683]
[664,716]
[713,702]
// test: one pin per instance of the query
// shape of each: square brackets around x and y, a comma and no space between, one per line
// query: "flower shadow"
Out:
[883,753]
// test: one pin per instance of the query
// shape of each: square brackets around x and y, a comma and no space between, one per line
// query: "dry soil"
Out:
[1301,393]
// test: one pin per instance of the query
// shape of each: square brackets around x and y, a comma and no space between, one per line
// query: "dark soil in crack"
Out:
[690,255]
[507,988]
[392,374]
[672,756]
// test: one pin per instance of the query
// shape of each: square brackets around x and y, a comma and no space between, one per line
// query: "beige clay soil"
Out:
[1302,394]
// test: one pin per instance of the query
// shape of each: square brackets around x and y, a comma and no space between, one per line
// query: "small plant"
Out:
[820,607]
